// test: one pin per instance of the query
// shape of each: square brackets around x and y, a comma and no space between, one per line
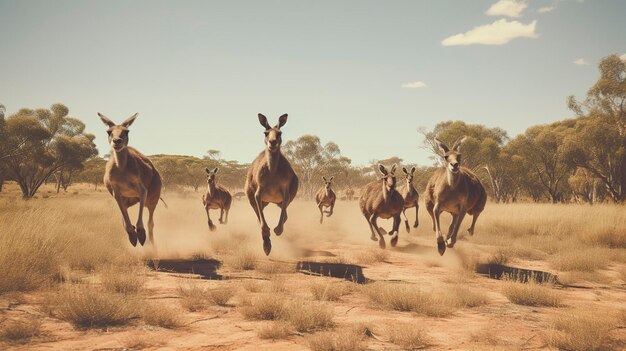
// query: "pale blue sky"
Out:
[198,72]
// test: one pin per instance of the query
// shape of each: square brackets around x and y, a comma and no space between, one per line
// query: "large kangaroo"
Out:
[456,190]
[131,178]
[216,197]
[381,199]
[411,198]
[325,197]
[271,179]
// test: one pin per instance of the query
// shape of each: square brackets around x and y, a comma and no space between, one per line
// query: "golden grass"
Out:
[252,286]
[87,305]
[19,331]
[274,267]
[275,330]
[243,259]
[141,341]
[371,256]
[193,297]
[263,307]
[461,296]
[276,285]
[408,298]
[329,290]
[582,330]
[308,317]
[161,316]
[531,294]
[586,260]
[408,336]
[341,340]
[127,280]
[220,296]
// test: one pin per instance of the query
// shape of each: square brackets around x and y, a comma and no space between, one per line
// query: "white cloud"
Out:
[497,33]
[546,9]
[581,62]
[623,57]
[510,8]
[414,85]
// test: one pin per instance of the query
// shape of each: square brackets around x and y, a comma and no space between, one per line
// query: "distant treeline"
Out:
[582,159]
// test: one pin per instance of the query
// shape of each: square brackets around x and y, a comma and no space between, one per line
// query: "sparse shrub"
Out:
[581,331]
[407,297]
[586,260]
[193,297]
[307,317]
[462,296]
[20,331]
[273,267]
[531,294]
[408,336]
[252,286]
[141,341]
[276,285]
[160,316]
[221,296]
[275,330]
[243,259]
[125,281]
[88,305]
[329,290]
[263,307]
[344,340]
[372,256]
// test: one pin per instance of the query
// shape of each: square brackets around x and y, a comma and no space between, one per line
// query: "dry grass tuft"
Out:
[328,290]
[90,306]
[531,294]
[584,330]
[586,260]
[244,259]
[193,297]
[263,307]
[372,256]
[161,316]
[252,286]
[308,317]
[221,296]
[275,331]
[141,341]
[407,336]
[407,297]
[125,281]
[20,331]
[611,237]
[276,285]
[344,340]
[274,267]
[461,296]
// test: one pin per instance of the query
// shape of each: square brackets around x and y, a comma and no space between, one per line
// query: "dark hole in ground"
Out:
[498,271]
[206,268]
[349,272]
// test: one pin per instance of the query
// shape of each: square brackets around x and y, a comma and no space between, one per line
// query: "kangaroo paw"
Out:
[141,235]
[441,246]
[267,245]
[406,225]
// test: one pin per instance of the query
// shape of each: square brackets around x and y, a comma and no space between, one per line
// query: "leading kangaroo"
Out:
[271,179]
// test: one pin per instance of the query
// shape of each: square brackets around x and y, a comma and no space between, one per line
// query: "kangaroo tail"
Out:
[164,203]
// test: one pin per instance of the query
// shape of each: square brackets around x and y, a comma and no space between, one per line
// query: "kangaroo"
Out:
[325,197]
[456,190]
[270,178]
[130,177]
[381,199]
[216,197]
[411,198]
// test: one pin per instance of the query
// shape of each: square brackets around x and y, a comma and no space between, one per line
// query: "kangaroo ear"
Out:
[442,145]
[405,171]
[412,170]
[324,178]
[331,178]
[393,168]
[206,169]
[282,120]
[215,170]
[106,120]
[382,169]
[129,120]
[457,144]
[263,121]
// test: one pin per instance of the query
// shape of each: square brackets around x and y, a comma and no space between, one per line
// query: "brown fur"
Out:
[381,199]
[130,177]
[271,179]
[325,197]
[216,197]
[410,197]
[457,193]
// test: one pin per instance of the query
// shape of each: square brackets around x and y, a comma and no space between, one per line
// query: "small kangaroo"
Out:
[216,197]
[326,197]
[411,198]
[381,199]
